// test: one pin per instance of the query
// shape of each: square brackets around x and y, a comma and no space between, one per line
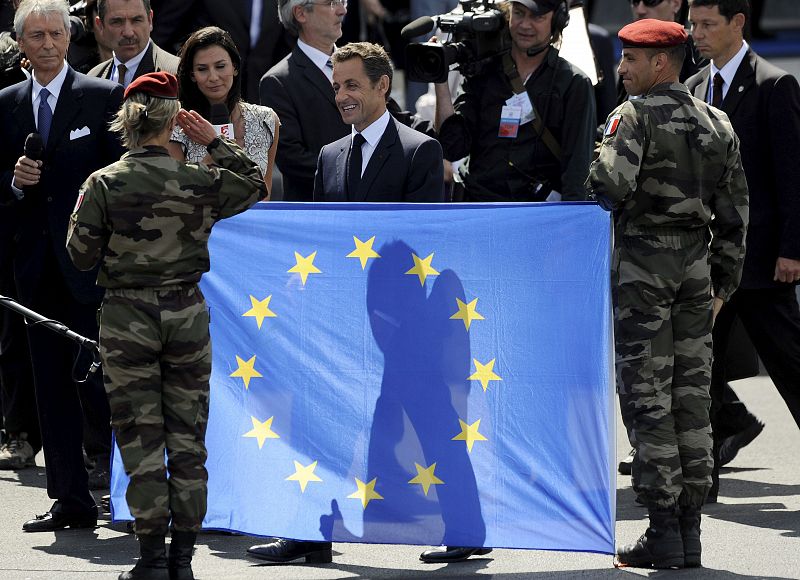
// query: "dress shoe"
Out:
[50,521]
[730,446]
[451,554]
[281,550]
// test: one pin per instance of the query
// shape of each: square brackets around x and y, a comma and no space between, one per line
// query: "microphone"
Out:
[539,48]
[34,147]
[220,117]
[418,27]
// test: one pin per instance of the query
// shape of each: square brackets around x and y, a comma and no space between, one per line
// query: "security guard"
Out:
[147,219]
[669,168]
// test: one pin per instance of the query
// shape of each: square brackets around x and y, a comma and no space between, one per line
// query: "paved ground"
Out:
[754,532]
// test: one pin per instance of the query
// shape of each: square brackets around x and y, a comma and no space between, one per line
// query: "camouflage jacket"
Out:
[669,160]
[148,216]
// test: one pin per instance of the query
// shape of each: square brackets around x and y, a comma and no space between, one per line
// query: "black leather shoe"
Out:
[626,464]
[451,554]
[730,446]
[50,521]
[281,550]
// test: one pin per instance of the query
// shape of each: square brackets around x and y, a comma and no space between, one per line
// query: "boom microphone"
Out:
[220,117]
[539,48]
[418,27]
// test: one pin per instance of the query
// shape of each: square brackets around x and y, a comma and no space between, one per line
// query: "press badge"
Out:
[510,118]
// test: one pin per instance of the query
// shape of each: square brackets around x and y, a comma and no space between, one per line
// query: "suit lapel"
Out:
[701,90]
[315,76]
[67,108]
[744,78]
[378,159]
[148,63]
[23,109]
[341,171]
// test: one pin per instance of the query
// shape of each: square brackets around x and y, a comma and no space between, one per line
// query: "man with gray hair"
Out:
[299,90]
[70,113]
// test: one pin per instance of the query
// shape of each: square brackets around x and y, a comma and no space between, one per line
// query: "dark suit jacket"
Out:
[763,104]
[43,213]
[302,96]
[405,166]
[154,60]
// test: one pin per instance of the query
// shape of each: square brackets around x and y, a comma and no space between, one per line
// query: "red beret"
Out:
[163,85]
[652,33]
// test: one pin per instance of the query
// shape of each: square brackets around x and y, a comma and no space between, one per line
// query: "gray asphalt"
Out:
[753,532]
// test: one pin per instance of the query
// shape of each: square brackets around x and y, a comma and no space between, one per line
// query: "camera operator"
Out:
[526,123]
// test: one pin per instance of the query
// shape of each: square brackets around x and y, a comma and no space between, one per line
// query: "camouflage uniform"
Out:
[148,218]
[669,165]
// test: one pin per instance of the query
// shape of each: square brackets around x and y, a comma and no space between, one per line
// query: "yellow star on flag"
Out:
[425,477]
[365,492]
[260,309]
[467,312]
[303,474]
[422,268]
[262,431]
[305,266]
[363,251]
[484,373]
[246,370]
[469,433]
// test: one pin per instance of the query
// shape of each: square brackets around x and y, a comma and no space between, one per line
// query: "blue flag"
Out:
[411,374]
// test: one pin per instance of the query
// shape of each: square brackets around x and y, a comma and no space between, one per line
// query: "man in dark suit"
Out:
[391,163]
[71,113]
[763,104]
[382,160]
[299,89]
[126,25]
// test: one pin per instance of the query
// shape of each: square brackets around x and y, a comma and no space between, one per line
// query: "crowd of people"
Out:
[117,112]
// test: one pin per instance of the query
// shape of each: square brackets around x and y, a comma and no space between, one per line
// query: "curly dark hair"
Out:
[189,93]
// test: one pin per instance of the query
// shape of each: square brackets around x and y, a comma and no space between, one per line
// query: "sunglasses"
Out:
[648,3]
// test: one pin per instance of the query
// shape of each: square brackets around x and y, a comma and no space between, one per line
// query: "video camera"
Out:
[477,34]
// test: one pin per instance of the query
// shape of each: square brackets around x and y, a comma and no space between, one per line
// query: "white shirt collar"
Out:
[319,58]
[373,133]
[729,70]
[54,86]
[132,64]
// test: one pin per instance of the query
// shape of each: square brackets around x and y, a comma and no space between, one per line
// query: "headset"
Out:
[560,18]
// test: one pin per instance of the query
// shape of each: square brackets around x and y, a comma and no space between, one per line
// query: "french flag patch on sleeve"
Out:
[612,125]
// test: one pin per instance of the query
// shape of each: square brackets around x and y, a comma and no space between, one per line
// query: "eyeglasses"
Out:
[648,3]
[333,4]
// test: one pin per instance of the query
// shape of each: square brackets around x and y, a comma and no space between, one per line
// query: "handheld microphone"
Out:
[34,147]
[220,117]
[418,27]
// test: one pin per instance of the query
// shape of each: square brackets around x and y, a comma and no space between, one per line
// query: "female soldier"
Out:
[146,219]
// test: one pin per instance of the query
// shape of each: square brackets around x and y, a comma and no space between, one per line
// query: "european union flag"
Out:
[412,374]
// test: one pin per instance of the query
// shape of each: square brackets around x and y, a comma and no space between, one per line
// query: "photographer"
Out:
[527,122]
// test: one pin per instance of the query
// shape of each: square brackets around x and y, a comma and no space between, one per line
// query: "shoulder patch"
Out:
[612,125]
[78,202]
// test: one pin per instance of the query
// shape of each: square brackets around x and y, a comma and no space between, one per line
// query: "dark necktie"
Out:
[354,167]
[45,115]
[122,70]
[329,64]
[716,98]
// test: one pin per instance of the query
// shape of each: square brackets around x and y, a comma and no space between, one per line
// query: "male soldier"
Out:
[763,103]
[126,25]
[669,167]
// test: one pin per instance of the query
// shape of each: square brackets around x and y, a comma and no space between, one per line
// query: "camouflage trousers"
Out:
[662,321]
[156,354]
